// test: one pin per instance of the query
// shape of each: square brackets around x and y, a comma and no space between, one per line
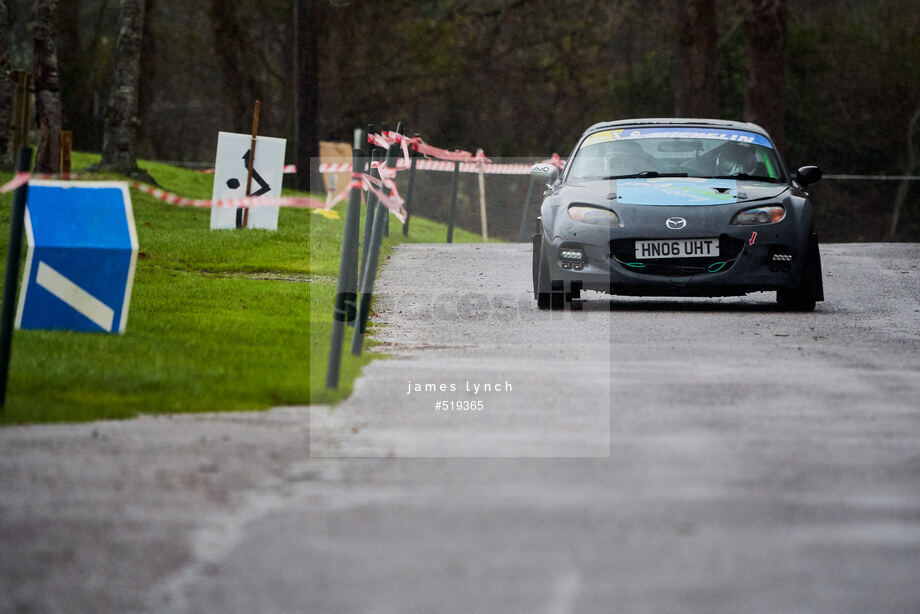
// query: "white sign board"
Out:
[230,171]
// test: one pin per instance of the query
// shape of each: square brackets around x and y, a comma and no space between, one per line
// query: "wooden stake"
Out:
[482,205]
[66,144]
[252,159]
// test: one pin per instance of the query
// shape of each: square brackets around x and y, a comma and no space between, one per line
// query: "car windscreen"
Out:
[676,151]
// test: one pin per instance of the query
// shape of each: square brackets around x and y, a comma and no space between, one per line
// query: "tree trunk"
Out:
[148,68]
[6,92]
[237,67]
[306,66]
[695,93]
[121,119]
[47,88]
[765,26]
[74,69]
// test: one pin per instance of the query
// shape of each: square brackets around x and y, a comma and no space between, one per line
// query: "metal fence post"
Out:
[400,130]
[414,157]
[368,217]
[522,234]
[453,203]
[370,267]
[369,214]
[384,128]
[483,218]
[363,161]
[11,280]
[347,291]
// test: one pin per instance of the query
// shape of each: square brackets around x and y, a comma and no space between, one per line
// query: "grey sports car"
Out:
[676,207]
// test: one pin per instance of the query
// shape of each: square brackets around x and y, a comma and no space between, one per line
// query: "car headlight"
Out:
[759,215]
[593,215]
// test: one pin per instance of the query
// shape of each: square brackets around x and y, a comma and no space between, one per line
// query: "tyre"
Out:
[811,289]
[536,241]
[550,292]
[557,299]
[573,298]
[542,284]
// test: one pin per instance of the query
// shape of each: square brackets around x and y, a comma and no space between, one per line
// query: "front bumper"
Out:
[775,260]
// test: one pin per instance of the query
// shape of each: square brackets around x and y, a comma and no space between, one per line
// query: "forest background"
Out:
[836,83]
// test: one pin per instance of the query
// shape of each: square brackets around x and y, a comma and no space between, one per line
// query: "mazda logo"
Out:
[675,223]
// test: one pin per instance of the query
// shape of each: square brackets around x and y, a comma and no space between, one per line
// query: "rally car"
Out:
[676,207]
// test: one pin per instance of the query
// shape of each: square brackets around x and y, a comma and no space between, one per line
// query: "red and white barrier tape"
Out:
[378,140]
[555,160]
[389,137]
[355,183]
[392,200]
[287,169]
[18,180]
[361,181]
[302,202]
[24,178]
[444,161]
[385,190]
[181,201]
[443,158]
[441,165]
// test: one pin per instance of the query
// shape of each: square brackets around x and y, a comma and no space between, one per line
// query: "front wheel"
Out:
[542,284]
[804,296]
[550,293]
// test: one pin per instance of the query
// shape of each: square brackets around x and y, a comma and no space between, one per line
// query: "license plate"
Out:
[679,248]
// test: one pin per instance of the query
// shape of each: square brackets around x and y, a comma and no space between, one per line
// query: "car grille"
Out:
[624,252]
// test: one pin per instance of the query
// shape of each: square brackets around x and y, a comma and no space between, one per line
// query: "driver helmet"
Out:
[735,158]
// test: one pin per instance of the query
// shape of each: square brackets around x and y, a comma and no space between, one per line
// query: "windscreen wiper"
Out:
[644,174]
[745,176]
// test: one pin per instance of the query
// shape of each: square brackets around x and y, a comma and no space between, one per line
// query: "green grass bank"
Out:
[219,320]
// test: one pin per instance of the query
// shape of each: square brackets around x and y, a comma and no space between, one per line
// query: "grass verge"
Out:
[219,320]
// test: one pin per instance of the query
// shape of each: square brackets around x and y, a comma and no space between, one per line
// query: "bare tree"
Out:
[84,62]
[6,91]
[235,60]
[121,119]
[148,61]
[765,27]
[47,88]
[695,93]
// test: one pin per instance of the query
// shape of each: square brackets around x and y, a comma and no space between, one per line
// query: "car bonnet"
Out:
[693,191]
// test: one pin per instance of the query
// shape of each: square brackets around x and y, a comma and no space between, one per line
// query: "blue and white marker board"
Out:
[81,257]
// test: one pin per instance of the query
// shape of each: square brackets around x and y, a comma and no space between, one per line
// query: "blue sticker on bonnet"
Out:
[667,191]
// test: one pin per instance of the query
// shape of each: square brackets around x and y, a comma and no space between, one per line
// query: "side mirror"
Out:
[547,173]
[806,175]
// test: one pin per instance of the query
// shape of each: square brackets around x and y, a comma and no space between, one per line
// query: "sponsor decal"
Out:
[604,136]
[670,132]
[682,191]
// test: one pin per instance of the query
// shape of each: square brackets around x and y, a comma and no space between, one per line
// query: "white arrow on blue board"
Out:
[76,297]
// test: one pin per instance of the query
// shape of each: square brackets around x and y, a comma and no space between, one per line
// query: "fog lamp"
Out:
[572,258]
